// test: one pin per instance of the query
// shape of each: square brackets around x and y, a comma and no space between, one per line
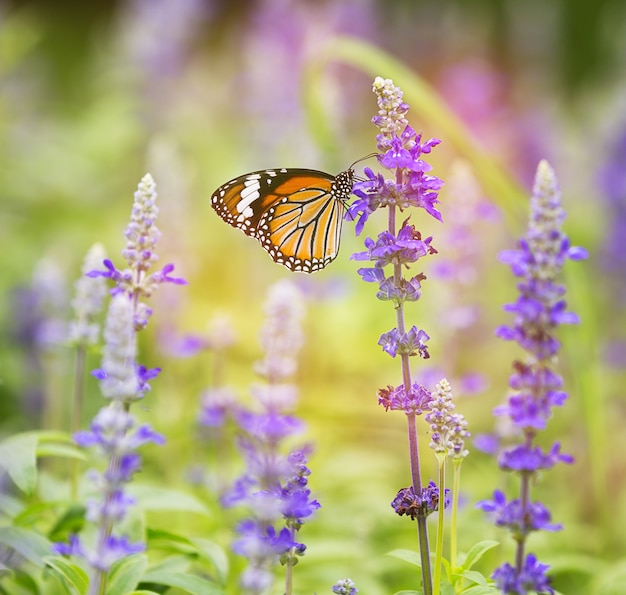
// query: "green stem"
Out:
[439,544]
[289,578]
[456,486]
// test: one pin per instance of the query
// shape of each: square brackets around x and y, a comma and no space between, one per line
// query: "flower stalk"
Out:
[535,387]
[400,152]
[113,432]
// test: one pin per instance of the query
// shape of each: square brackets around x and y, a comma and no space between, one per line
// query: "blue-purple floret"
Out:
[412,342]
[407,503]
[511,514]
[531,578]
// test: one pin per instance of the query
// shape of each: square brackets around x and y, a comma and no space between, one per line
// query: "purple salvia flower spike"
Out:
[408,185]
[113,432]
[535,387]
[88,301]
[275,486]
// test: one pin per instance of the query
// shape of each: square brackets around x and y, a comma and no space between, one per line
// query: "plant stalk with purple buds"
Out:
[275,485]
[84,333]
[122,381]
[448,435]
[535,387]
[400,152]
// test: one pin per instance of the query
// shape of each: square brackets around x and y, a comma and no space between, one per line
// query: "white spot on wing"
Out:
[248,195]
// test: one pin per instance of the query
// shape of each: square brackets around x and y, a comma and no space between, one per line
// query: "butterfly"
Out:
[295,214]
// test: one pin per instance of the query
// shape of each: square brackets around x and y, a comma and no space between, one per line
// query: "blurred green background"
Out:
[95,94]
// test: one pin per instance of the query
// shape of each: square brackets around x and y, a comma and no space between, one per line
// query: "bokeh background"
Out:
[95,94]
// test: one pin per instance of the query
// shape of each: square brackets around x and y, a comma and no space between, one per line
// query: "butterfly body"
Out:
[295,214]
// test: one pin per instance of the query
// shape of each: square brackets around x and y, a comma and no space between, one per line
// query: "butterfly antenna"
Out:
[363,159]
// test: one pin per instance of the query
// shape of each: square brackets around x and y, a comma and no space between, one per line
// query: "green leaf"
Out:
[173,564]
[202,548]
[10,506]
[409,556]
[156,498]
[68,573]
[126,574]
[19,459]
[143,592]
[215,555]
[22,583]
[72,521]
[405,592]
[481,590]
[477,552]
[475,577]
[68,451]
[187,582]
[28,543]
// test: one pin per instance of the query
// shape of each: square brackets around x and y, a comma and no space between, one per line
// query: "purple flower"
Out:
[143,375]
[519,520]
[531,578]
[487,443]
[407,503]
[530,459]
[412,402]
[110,550]
[119,277]
[87,303]
[114,549]
[539,310]
[269,428]
[404,248]
[142,236]
[274,487]
[345,586]
[73,548]
[410,343]
[217,405]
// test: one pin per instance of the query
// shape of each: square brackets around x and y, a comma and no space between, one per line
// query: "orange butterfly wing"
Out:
[296,214]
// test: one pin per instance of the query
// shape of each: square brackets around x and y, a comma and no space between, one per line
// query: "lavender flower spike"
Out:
[142,236]
[118,376]
[88,300]
[275,485]
[535,386]
[391,254]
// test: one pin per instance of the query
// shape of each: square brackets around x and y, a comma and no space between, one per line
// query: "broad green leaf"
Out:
[187,582]
[200,547]
[143,592]
[407,555]
[126,574]
[10,506]
[166,539]
[174,564]
[214,554]
[28,543]
[157,498]
[405,592]
[72,521]
[68,573]
[22,584]
[19,459]
[477,552]
[447,589]
[475,577]
[68,451]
